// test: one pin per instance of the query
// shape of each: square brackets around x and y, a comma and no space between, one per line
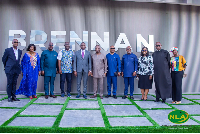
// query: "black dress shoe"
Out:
[108,96]
[114,96]
[164,100]
[157,100]
[10,100]
[131,97]
[124,97]
[15,99]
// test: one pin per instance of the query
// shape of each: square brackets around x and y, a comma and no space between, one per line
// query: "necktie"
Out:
[82,54]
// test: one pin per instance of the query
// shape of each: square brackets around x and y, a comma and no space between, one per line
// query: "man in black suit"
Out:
[11,60]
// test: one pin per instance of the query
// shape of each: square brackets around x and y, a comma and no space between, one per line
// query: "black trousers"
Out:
[68,77]
[177,85]
[11,84]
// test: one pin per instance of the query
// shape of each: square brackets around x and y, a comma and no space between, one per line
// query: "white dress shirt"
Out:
[16,53]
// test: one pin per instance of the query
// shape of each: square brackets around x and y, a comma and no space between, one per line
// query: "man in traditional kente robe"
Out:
[162,77]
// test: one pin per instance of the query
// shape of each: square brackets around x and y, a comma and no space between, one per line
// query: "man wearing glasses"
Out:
[114,70]
[162,77]
[11,60]
[48,68]
[129,69]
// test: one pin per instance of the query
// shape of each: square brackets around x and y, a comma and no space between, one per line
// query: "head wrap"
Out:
[174,48]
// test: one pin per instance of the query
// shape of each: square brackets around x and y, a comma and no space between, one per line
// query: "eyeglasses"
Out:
[128,49]
[16,42]
[50,45]
[112,48]
[144,50]
[157,45]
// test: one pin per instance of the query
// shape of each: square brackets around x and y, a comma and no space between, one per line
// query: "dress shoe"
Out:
[84,96]
[53,96]
[77,96]
[124,97]
[10,100]
[93,96]
[46,96]
[131,97]
[15,99]
[114,96]
[107,96]
[163,101]
[101,97]
[34,96]
[63,95]
[157,100]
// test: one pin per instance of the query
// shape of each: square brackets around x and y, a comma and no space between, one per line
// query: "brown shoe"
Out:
[46,96]
[101,97]
[93,96]
[53,96]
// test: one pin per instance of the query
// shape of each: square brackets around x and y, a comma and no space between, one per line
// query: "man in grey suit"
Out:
[82,68]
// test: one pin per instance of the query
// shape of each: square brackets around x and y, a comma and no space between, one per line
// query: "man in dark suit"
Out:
[82,68]
[11,60]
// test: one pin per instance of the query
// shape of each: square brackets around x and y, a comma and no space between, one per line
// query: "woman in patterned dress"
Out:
[178,64]
[145,72]
[30,66]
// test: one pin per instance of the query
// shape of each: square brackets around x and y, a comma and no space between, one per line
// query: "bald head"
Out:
[112,49]
[158,45]
[128,49]
[15,43]
[50,46]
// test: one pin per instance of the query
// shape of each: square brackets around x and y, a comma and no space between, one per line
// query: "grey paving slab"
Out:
[197,101]
[138,97]
[59,99]
[42,110]
[119,100]
[81,97]
[161,117]
[192,96]
[6,114]
[151,104]
[196,117]
[21,96]
[129,121]
[190,109]
[21,103]
[82,118]
[183,101]
[33,121]
[82,104]
[2,96]
[121,110]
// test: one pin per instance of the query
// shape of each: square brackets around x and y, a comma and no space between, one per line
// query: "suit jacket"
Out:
[48,63]
[82,63]
[11,65]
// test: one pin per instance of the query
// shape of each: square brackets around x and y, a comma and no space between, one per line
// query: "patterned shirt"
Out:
[177,63]
[66,58]
[145,65]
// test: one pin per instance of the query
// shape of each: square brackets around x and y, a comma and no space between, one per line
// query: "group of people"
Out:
[82,64]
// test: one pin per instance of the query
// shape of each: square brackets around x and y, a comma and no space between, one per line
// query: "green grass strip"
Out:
[192,100]
[37,115]
[145,114]
[59,117]
[82,109]
[103,113]
[127,116]
[48,104]
[125,129]
[190,94]
[4,98]
[18,113]
[10,107]
[194,119]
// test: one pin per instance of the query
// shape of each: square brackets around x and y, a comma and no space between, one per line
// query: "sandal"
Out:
[178,102]
[34,96]
[173,102]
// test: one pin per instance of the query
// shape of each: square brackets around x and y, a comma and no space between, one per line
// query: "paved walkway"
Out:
[108,112]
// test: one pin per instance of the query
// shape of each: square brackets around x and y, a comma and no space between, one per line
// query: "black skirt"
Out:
[144,82]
